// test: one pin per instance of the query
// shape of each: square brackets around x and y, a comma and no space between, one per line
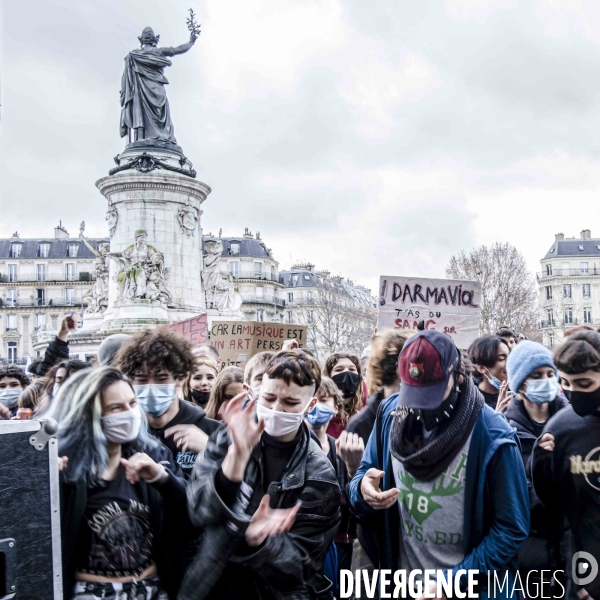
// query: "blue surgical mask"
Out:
[319,415]
[155,398]
[494,381]
[541,391]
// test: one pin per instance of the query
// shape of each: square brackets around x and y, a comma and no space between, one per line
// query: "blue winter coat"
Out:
[496,497]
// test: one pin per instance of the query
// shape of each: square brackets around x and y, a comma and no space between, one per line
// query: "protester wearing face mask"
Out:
[329,403]
[115,473]
[346,372]
[197,385]
[443,464]
[265,495]
[566,457]
[533,378]
[154,361]
[12,383]
[488,354]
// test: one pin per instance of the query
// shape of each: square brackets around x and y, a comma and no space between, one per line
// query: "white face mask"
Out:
[122,427]
[10,397]
[279,423]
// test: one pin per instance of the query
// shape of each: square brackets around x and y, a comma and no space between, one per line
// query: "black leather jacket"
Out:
[288,566]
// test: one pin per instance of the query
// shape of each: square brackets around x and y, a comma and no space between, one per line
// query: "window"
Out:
[551,341]
[290,296]
[70,271]
[234,248]
[551,251]
[568,316]
[40,321]
[273,273]
[290,317]
[564,270]
[306,277]
[258,270]
[584,268]
[73,250]
[586,288]
[260,291]
[11,297]
[41,297]
[15,250]
[41,272]
[11,322]
[43,250]
[550,314]
[12,272]
[234,268]
[69,295]
[310,316]
[581,248]
[548,269]
[260,315]
[294,279]
[587,314]
[310,298]
[11,347]
[567,290]
[548,292]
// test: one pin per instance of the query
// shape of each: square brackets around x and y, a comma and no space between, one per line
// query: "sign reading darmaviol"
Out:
[447,305]
[237,341]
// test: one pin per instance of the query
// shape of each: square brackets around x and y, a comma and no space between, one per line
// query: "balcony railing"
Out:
[37,302]
[267,300]
[569,273]
[22,360]
[81,277]
[256,275]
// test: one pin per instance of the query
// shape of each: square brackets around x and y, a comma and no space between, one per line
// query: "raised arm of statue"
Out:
[174,50]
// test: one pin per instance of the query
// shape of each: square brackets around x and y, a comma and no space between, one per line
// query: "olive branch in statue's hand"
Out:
[192,25]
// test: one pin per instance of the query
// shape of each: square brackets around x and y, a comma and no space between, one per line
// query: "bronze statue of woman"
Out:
[144,104]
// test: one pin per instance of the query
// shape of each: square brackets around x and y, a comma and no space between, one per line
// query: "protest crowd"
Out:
[181,479]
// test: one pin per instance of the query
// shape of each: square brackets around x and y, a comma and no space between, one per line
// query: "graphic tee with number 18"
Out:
[432,515]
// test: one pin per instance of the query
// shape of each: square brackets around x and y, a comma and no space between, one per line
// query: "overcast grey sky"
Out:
[366,137]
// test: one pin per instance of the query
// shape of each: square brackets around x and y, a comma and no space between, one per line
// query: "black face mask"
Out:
[584,403]
[200,398]
[434,417]
[347,382]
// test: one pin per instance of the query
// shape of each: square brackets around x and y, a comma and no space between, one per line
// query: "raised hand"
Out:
[503,398]
[350,447]
[188,438]
[245,434]
[141,466]
[268,521]
[372,494]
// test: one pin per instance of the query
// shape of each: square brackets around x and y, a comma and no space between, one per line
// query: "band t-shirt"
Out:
[432,515]
[116,535]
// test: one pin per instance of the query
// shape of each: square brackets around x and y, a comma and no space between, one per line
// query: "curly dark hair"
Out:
[32,369]
[153,349]
[382,367]
[16,373]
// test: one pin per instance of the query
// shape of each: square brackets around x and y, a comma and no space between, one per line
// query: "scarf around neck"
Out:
[430,458]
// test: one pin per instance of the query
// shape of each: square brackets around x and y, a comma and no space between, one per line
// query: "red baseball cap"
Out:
[425,365]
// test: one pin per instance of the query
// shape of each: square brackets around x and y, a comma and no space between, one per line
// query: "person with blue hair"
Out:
[118,482]
[533,381]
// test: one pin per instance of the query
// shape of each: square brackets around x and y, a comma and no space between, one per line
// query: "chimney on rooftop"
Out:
[247,233]
[586,234]
[60,232]
[559,236]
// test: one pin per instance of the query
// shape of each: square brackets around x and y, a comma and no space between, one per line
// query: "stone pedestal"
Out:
[157,213]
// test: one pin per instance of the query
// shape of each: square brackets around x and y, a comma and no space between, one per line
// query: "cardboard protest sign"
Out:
[194,329]
[238,341]
[446,305]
